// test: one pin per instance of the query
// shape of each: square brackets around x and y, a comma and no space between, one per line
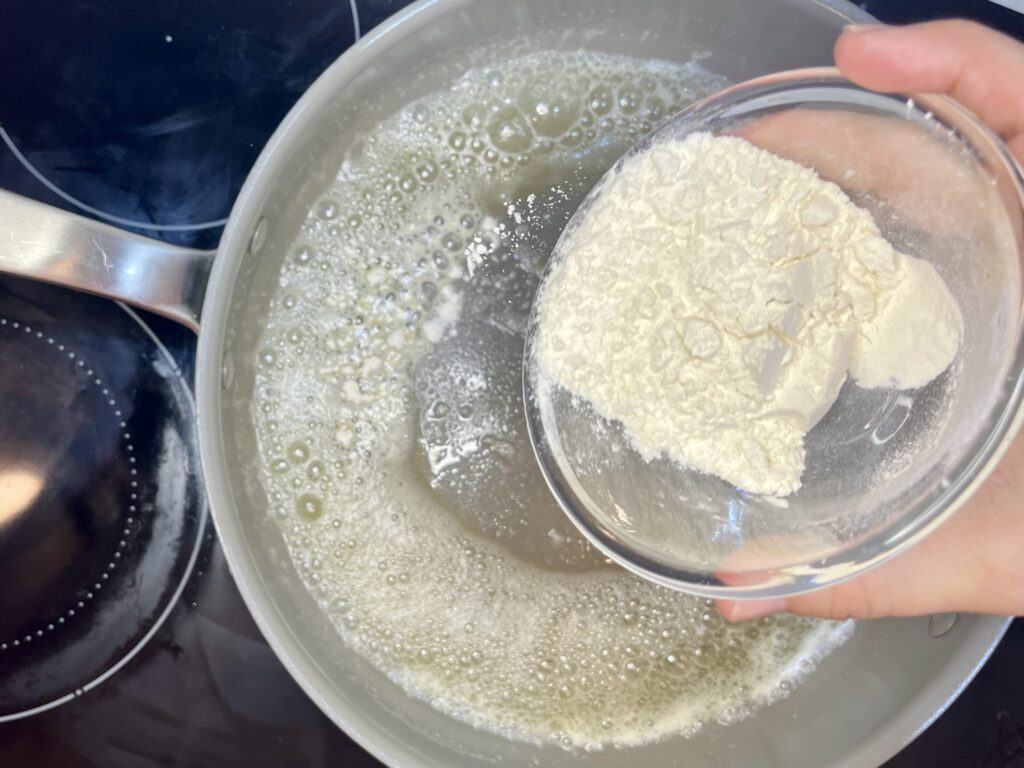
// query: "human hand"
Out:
[979,67]
[975,560]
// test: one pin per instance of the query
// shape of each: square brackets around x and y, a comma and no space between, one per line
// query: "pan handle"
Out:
[44,243]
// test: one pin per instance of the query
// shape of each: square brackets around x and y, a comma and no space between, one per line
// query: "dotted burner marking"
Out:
[80,367]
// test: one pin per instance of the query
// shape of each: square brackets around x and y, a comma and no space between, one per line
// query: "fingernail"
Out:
[859,29]
[745,610]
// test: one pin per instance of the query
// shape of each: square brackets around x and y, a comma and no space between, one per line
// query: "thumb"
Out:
[979,67]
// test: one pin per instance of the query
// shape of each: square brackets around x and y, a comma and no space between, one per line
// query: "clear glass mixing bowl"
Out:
[884,467]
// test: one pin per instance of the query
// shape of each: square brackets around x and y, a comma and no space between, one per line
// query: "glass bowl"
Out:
[884,467]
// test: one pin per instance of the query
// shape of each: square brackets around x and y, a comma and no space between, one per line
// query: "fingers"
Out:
[895,163]
[921,581]
[979,67]
[973,562]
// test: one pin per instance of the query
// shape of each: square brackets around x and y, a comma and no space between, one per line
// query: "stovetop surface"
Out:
[150,121]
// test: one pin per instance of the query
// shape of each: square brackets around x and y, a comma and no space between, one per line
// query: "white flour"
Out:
[714,298]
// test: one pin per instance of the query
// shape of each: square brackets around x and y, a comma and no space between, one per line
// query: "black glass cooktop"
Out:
[120,626]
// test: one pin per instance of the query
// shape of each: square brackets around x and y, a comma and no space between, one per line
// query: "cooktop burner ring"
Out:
[102,512]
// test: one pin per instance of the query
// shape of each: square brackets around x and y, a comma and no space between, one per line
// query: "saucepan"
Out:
[862,703]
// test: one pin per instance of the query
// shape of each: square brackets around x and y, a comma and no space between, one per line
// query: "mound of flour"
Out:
[715,297]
